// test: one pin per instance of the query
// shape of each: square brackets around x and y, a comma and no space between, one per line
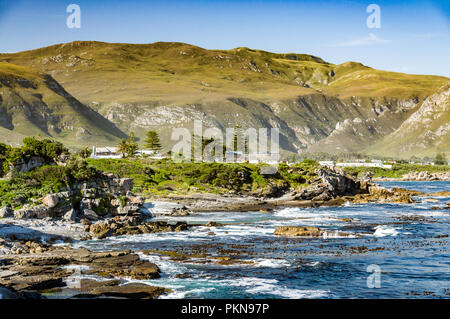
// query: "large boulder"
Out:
[24,213]
[338,183]
[90,215]
[71,215]
[298,231]
[51,200]
[6,212]
[24,166]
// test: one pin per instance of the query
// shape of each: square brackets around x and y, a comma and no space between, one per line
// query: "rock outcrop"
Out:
[28,273]
[131,226]
[426,176]
[382,194]
[298,231]
[104,196]
[332,183]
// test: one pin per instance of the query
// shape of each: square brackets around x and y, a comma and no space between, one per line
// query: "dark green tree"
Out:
[440,159]
[128,148]
[152,141]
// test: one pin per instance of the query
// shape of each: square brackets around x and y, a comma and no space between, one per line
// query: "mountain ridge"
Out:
[318,106]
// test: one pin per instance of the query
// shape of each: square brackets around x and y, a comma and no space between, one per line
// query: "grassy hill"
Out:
[33,103]
[178,72]
[316,104]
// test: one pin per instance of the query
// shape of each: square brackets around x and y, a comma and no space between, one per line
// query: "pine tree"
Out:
[152,141]
[129,147]
[440,159]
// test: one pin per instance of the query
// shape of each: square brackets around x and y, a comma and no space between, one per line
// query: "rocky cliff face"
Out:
[426,131]
[315,123]
[106,195]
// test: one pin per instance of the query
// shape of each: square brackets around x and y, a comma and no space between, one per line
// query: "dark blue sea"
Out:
[368,251]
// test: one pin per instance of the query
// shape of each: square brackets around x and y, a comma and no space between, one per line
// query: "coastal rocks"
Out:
[213,224]
[338,183]
[90,215]
[308,231]
[104,195]
[131,226]
[45,270]
[443,193]
[272,190]
[298,231]
[70,216]
[125,265]
[128,291]
[24,166]
[24,213]
[382,194]
[30,247]
[427,176]
[6,293]
[51,200]
[6,212]
[180,211]
[330,184]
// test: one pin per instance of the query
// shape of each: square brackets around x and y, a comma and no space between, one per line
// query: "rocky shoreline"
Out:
[31,263]
[49,268]
[418,176]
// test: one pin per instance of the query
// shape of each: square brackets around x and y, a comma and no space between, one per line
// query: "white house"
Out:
[112,152]
[371,164]
[105,152]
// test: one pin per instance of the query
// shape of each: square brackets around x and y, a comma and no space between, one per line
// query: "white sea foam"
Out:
[187,293]
[313,264]
[271,287]
[383,231]
[166,266]
[271,263]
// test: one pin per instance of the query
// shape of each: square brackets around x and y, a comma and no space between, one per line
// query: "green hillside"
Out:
[33,103]
[316,104]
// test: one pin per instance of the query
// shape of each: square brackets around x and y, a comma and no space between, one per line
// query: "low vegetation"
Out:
[163,177]
[30,186]
[155,178]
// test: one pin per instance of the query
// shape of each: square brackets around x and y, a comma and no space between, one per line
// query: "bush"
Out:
[47,149]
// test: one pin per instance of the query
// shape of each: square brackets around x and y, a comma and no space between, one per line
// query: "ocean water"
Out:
[411,257]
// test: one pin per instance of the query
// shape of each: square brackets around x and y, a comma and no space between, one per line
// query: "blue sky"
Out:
[414,36]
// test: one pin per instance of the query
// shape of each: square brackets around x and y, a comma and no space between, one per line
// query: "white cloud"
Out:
[369,40]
